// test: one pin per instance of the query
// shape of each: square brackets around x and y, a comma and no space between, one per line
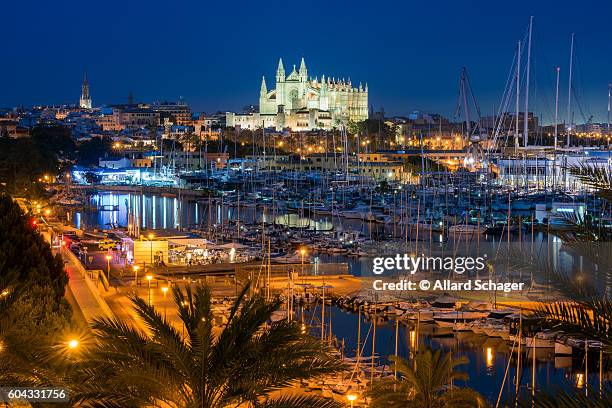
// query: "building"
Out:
[85,101]
[190,161]
[304,103]
[178,113]
[10,128]
[136,117]
[376,167]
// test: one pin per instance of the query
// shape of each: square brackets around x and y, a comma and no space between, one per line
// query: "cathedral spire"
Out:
[280,71]
[303,70]
[85,100]
[264,88]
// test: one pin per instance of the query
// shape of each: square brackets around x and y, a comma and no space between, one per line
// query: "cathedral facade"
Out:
[303,103]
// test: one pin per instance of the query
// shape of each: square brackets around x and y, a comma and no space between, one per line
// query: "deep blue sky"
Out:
[213,53]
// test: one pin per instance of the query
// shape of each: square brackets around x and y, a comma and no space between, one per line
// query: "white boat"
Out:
[459,321]
[467,229]
[423,315]
[541,341]
[497,330]
[424,227]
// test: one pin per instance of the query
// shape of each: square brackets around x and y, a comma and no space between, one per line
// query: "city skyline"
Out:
[216,62]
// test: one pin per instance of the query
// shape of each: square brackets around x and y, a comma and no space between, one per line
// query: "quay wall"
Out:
[174,191]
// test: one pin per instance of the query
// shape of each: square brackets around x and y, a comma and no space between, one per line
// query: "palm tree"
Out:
[588,313]
[587,310]
[570,399]
[241,365]
[28,358]
[426,383]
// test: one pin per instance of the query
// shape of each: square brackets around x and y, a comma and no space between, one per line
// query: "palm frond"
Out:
[598,178]
[570,399]
[300,401]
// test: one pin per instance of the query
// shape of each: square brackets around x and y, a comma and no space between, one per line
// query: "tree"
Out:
[33,313]
[22,161]
[426,383]
[242,364]
[91,150]
[571,399]
[54,138]
[585,312]
[18,238]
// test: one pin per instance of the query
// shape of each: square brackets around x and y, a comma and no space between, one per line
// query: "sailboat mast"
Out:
[569,93]
[526,118]
[556,131]
[557,106]
[466,107]
[609,93]
[518,93]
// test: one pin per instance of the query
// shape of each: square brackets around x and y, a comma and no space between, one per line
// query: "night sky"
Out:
[213,54]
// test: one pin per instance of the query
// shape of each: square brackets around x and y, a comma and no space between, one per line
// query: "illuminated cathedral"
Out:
[301,102]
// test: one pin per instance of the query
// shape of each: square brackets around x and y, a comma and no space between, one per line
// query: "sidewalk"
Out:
[85,292]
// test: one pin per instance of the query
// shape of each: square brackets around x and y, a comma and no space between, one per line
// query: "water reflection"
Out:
[488,357]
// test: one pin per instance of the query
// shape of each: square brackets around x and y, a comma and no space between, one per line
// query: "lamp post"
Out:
[149,277]
[151,242]
[136,267]
[302,252]
[351,398]
[164,290]
[108,258]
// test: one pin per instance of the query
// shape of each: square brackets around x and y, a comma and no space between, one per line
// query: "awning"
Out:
[192,242]
[233,245]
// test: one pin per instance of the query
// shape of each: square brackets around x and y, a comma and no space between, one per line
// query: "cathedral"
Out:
[303,103]
[85,100]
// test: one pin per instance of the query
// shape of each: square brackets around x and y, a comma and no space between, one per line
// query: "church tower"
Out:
[85,101]
[280,86]
[303,74]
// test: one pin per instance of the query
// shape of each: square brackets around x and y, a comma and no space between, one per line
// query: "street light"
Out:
[164,290]
[136,267]
[149,277]
[302,252]
[351,398]
[108,258]
[72,344]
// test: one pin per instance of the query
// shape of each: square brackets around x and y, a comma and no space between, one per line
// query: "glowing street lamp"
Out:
[351,398]
[302,253]
[72,344]
[136,267]
[108,258]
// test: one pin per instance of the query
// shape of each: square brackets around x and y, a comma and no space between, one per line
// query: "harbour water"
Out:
[488,357]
